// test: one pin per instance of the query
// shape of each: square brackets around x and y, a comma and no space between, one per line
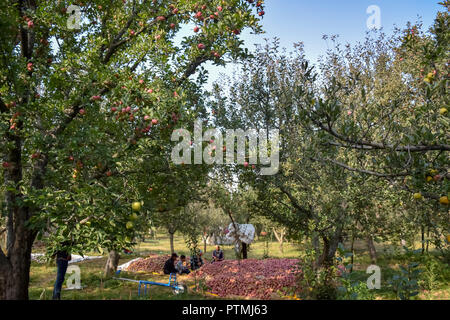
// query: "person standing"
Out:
[62,261]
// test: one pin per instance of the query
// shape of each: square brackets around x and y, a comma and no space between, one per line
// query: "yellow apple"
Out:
[130,225]
[136,206]
[443,111]
[417,196]
[444,200]
[134,216]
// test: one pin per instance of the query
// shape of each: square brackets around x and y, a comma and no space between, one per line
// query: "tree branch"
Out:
[373,173]
[191,68]
[366,145]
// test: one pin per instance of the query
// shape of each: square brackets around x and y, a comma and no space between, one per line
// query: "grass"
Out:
[96,287]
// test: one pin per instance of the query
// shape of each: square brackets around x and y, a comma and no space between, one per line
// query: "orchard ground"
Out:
[96,287]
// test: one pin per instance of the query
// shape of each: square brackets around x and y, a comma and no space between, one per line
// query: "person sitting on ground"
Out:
[217,255]
[181,265]
[169,266]
[196,260]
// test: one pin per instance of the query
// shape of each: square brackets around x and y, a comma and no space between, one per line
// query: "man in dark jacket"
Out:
[62,261]
[169,266]
[217,255]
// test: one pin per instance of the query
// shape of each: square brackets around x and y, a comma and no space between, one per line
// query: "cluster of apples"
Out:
[202,18]
[136,207]
[433,176]
[246,165]
[251,278]
[258,6]
[13,121]
[10,105]
[152,264]
[78,166]
[30,23]
[212,16]
[442,200]
[429,78]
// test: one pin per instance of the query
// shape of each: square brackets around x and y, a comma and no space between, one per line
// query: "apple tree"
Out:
[80,106]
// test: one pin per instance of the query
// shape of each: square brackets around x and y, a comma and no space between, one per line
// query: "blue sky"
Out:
[308,20]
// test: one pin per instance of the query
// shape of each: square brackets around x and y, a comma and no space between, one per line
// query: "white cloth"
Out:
[246,234]
[125,266]
[40,258]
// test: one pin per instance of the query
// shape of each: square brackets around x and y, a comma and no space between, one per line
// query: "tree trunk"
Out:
[352,249]
[15,268]
[112,263]
[428,237]
[372,250]
[422,231]
[280,238]
[244,250]
[324,260]
[15,260]
[330,245]
[172,248]
[204,245]
[316,245]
